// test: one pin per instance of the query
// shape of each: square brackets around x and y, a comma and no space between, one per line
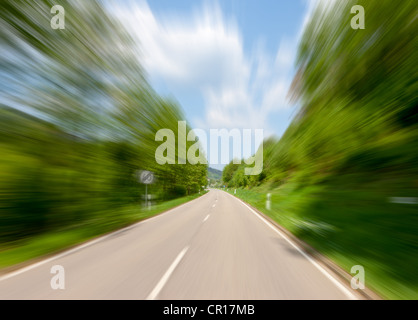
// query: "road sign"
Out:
[146,177]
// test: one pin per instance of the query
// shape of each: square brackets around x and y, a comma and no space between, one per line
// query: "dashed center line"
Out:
[207,217]
[214,205]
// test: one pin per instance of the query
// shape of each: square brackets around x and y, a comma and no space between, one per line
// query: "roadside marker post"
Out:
[268,202]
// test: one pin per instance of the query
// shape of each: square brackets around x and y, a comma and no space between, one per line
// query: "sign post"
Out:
[146,177]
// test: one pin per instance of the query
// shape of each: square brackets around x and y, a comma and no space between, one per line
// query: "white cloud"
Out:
[200,51]
[205,52]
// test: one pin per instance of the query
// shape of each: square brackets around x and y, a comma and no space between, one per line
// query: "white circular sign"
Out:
[146,177]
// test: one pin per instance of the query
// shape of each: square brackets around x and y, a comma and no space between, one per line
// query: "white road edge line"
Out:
[37,264]
[310,259]
[160,285]
[87,244]
[207,217]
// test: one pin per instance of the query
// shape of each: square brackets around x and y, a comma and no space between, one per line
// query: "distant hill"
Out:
[214,174]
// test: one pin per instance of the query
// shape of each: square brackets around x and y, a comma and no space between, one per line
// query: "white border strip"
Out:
[89,243]
[339,285]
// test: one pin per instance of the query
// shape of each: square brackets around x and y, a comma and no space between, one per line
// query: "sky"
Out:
[229,63]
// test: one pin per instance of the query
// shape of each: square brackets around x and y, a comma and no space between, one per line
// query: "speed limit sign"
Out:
[146,177]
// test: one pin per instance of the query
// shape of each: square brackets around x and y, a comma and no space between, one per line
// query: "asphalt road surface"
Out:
[214,247]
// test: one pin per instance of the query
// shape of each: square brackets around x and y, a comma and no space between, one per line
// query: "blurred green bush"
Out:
[77,120]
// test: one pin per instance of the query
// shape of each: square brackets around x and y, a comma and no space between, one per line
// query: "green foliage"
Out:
[77,120]
[214,174]
[229,171]
[353,144]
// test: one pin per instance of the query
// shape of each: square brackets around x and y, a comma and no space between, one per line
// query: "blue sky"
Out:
[228,63]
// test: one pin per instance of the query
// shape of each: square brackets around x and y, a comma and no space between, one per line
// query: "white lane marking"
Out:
[404,200]
[89,243]
[37,264]
[214,205]
[310,259]
[207,217]
[156,291]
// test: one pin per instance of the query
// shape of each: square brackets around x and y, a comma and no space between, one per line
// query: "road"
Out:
[214,247]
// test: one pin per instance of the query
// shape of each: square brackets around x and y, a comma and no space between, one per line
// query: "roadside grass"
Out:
[52,242]
[350,226]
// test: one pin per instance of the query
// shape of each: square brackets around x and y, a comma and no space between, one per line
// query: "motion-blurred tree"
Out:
[77,119]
